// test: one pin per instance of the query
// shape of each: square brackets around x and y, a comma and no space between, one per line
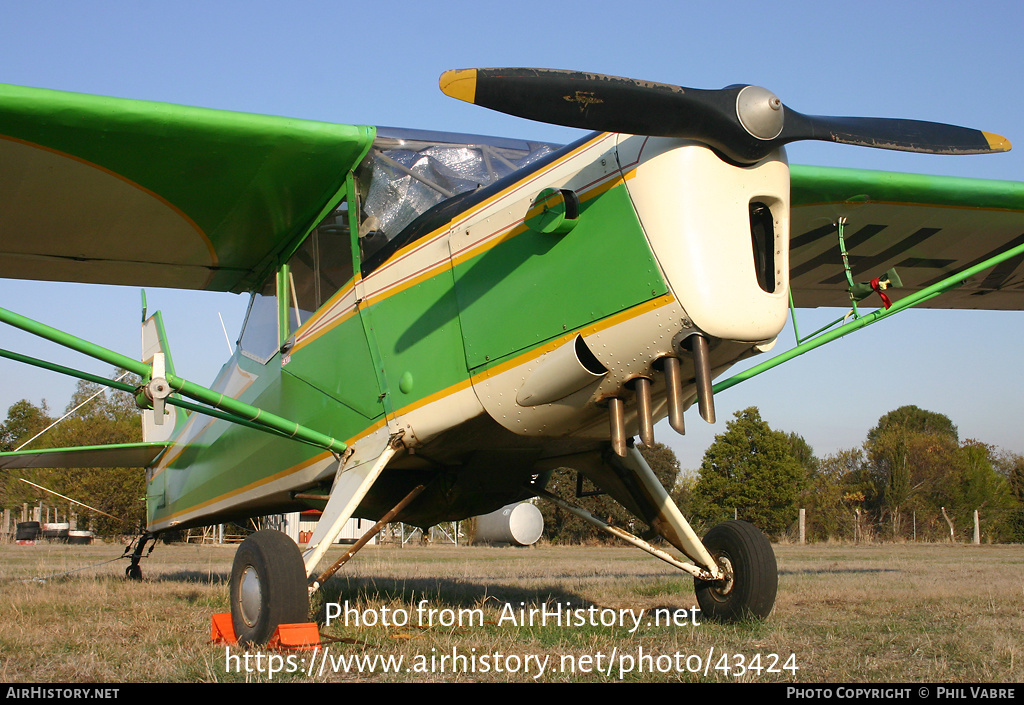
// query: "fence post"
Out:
[952,533]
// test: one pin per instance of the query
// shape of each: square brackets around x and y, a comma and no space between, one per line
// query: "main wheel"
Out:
[751,574]
[268,586]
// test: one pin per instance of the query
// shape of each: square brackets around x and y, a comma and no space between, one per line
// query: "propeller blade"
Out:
[596,102]
[893,133]
[745,123]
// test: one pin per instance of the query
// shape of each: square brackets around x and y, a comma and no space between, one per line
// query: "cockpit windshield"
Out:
[410,171]
[406,173]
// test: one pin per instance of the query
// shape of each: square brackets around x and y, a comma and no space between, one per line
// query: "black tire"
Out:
[268,586]
[27,531]
[752,575]
[133,572]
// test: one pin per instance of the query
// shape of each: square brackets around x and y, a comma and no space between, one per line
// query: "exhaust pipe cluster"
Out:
[573,369]
[698,345]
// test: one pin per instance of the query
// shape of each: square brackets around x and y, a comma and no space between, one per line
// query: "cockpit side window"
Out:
[259,340]
[320,267]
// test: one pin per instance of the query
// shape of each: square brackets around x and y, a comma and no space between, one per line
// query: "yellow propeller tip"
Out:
[459,83]
[998,143]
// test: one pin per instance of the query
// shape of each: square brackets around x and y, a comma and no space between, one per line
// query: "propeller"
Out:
[744,123]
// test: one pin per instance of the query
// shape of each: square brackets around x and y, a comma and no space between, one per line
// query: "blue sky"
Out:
[378,63]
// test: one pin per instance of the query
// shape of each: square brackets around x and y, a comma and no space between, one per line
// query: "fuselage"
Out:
[492,329]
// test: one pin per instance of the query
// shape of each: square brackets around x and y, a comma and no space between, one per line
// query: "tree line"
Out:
[912,478]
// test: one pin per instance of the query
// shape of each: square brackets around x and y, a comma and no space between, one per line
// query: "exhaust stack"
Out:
[642,389]
[702,367]
[674,391]
[617,424]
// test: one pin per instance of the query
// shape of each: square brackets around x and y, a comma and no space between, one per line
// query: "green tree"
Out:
[918,464]
[973,483]
[913,418]
[24,420]
[834,494]
[1011,466]
[910,452]
[804,454]
[565,527]
[750,469]
[96,417]
[109,417]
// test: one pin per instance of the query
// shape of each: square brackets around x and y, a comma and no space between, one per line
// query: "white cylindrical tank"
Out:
[80,537]
[520,524]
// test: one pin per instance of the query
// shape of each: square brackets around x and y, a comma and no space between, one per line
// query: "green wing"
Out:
[927,227]
[116,191]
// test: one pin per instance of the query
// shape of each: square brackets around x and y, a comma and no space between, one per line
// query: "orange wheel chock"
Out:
[291,637]
[287,637]
[222,630]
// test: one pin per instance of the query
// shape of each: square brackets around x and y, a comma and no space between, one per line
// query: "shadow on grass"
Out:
[190,576]
[447,592]
[838,571]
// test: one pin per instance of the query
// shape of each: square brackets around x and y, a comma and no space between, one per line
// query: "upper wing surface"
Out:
[117,191]
[928,227]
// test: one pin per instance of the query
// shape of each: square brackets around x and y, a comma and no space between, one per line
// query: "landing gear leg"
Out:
[734,569]
[751,581]
[270,578]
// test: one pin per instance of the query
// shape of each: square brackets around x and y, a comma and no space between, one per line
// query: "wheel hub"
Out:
[249,595]
[724,586]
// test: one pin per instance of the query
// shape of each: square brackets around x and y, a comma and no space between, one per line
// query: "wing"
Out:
[116,191]
[927,227]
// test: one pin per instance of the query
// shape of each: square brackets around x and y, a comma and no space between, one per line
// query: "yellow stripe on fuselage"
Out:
[524,358]
[326,319]
[603,324]
[271,478]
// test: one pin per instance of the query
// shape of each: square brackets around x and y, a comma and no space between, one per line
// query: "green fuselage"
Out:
[427,324]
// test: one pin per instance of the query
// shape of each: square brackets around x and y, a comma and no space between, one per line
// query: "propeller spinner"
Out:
[745,123]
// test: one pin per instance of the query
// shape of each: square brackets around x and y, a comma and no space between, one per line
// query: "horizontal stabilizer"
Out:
[120,455]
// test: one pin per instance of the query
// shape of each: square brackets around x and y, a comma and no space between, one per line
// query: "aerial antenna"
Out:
[231,351]
[71,500]
[101,390]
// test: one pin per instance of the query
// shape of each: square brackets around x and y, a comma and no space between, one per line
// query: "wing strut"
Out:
[217,404]
[824,336]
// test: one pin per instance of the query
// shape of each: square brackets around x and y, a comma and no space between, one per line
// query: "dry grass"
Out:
[844,614]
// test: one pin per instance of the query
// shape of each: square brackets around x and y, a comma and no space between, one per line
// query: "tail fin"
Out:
[154,340]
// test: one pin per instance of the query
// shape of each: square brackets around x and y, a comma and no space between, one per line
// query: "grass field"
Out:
[876,613]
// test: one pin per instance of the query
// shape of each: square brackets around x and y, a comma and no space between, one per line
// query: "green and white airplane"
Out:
[439,321]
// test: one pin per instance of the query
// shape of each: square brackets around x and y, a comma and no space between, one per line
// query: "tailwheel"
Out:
[751,575]
[134,570]
[268,586]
